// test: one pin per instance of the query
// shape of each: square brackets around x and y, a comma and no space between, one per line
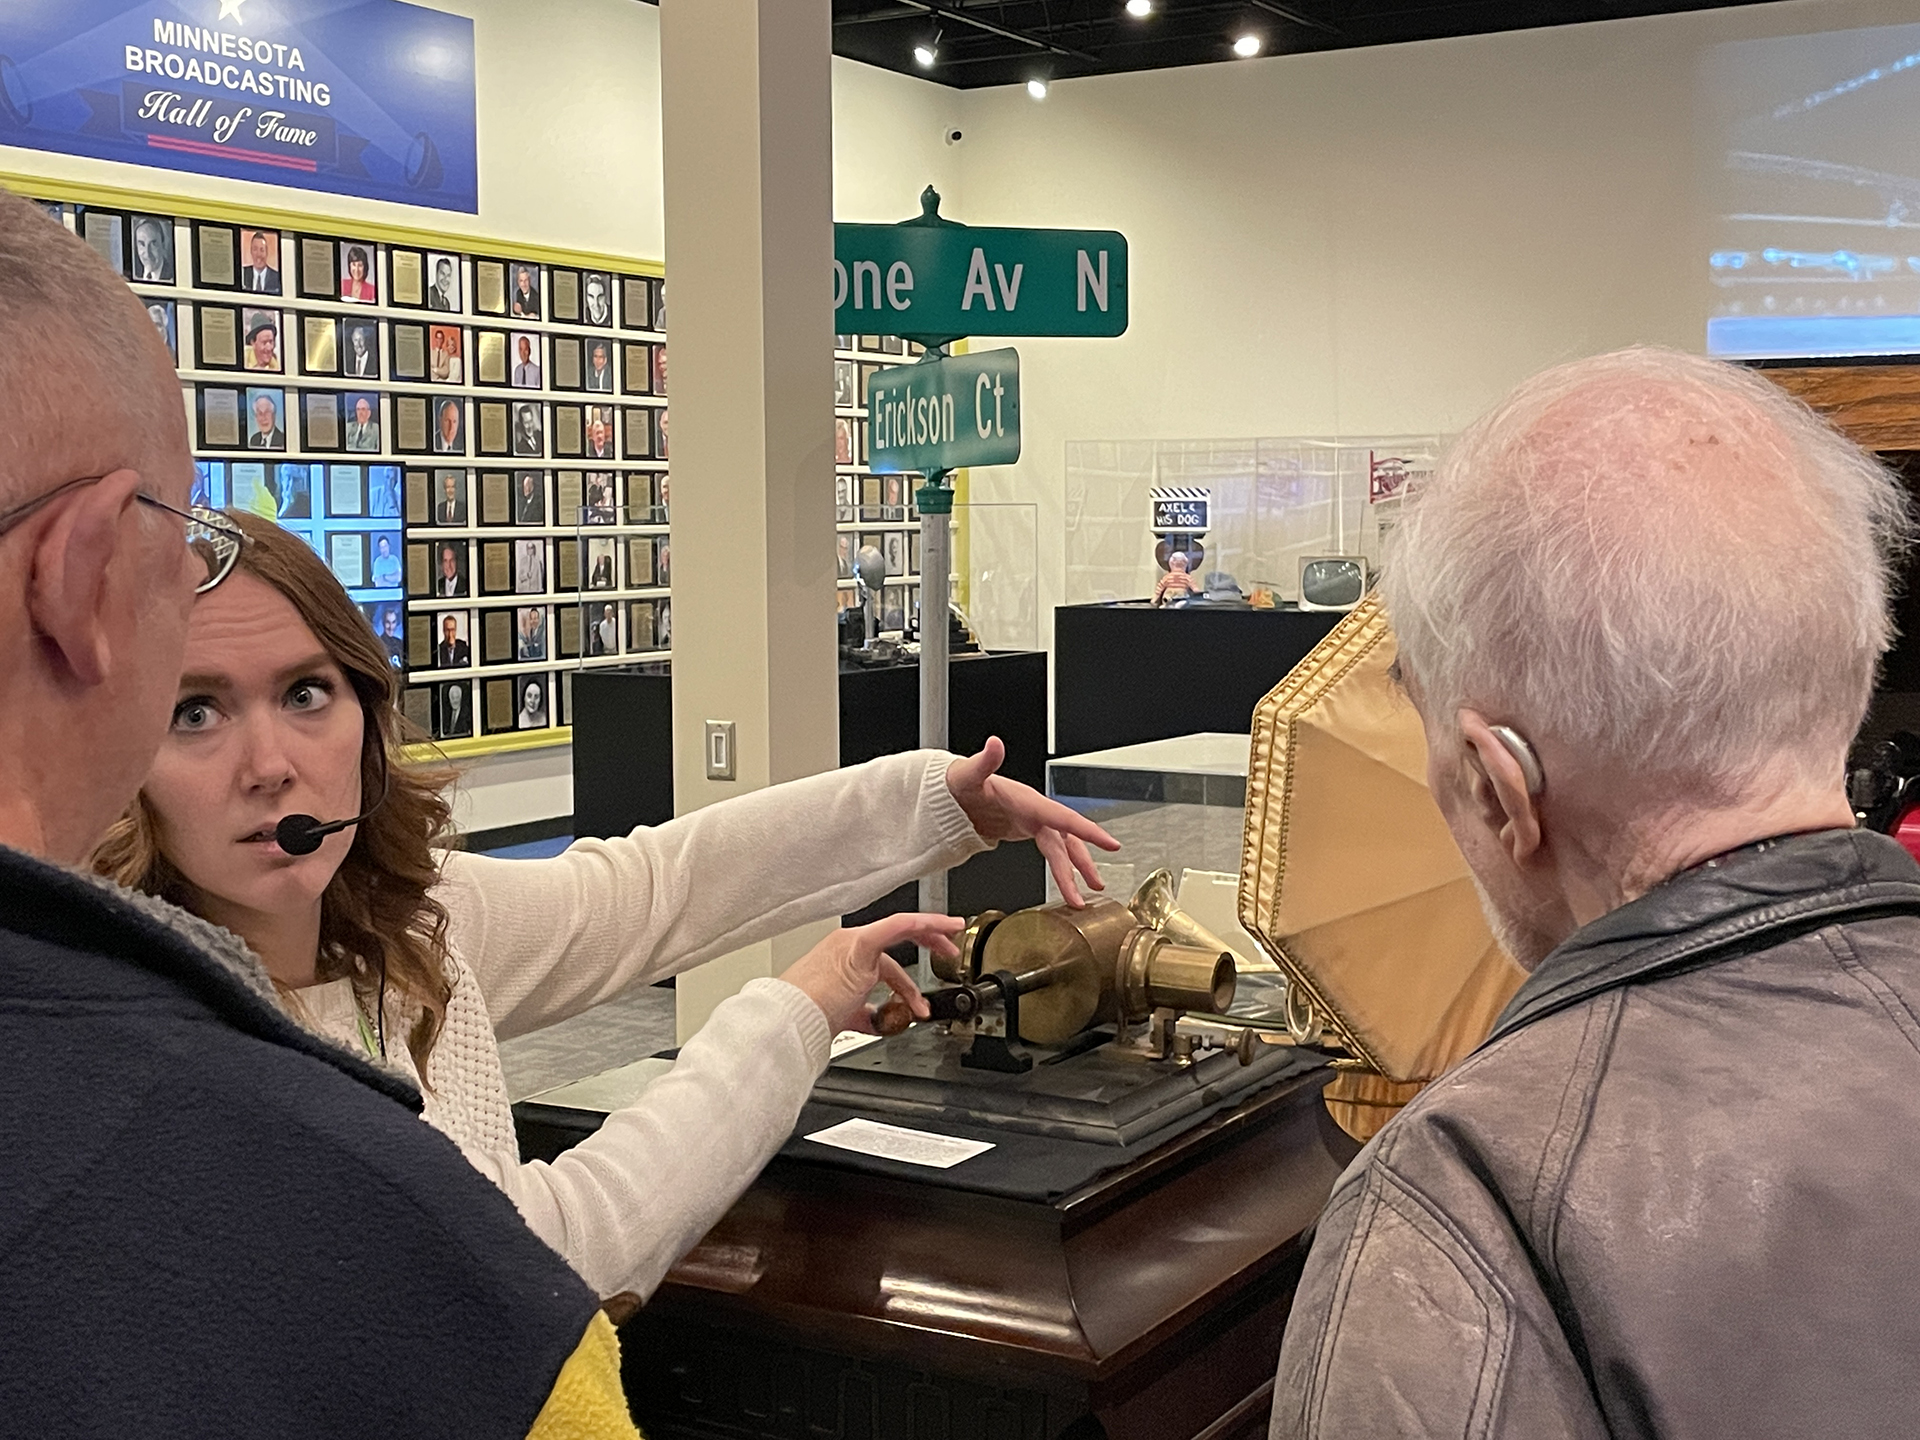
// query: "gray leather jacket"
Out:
[1676,1193]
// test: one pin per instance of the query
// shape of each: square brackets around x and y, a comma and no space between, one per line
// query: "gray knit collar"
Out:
[226,949]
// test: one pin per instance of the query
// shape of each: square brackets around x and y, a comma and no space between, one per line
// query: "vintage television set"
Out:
[1332,582]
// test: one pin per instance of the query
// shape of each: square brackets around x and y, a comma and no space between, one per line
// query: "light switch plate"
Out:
[719,749]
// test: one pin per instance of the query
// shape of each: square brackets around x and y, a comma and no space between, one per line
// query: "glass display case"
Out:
[1272,503]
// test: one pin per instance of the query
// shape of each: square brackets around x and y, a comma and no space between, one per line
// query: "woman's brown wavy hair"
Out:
[379,922]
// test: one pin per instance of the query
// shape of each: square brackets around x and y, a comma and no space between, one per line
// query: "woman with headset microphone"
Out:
[429,957]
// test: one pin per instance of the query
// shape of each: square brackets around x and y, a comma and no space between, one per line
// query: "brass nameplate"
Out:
[489,287]
[220,416]
[407,268]
[217,255]
[219,336]
[321,350]
[490,357]
[322,420]
[410,422]
[496,497]
[493,428]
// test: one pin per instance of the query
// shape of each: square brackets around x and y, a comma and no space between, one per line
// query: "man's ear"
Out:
[1499,789]
[76,549]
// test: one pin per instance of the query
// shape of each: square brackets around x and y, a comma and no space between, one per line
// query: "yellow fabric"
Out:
[1349,877]
[588,1401]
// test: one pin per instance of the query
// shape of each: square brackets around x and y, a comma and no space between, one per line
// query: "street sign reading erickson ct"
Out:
[949,280]
[942,414]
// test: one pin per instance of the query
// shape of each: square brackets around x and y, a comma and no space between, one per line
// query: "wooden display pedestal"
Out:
[1147,1305]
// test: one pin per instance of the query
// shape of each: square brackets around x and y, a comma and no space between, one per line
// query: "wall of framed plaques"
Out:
[474,438]
[436,421]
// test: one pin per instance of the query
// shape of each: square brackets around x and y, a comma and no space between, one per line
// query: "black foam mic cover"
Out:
[302,834]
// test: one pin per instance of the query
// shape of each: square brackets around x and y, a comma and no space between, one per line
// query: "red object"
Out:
[1906,830]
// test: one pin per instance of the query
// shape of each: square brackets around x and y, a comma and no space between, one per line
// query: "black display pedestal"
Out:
[1126,673]
[623,754]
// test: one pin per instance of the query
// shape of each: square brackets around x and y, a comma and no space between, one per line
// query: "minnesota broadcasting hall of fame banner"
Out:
[358,97]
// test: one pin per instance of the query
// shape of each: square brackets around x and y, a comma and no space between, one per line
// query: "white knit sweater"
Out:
[534,941]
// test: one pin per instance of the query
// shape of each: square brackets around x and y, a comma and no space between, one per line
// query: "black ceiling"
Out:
[1008,42]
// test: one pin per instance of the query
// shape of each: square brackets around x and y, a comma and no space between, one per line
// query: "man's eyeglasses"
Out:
[210,535]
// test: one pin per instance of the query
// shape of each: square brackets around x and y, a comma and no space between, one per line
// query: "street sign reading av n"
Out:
[949,280]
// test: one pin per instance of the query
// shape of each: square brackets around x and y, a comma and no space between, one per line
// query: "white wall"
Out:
[1374,241]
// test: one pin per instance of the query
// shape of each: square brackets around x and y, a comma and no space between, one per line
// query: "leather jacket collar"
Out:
[1746,901]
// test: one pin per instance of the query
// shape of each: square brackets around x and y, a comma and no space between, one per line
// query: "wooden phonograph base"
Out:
[843,1297]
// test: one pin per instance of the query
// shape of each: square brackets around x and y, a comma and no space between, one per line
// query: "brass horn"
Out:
[1153,906]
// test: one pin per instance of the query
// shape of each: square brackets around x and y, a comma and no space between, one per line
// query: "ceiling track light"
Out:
[1247,46]
[1037,89]
[1139,9]
[928,51]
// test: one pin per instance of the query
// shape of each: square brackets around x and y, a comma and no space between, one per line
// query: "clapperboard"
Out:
[1180,509]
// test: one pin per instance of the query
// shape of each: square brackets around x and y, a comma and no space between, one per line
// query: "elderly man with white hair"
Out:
[1639,609]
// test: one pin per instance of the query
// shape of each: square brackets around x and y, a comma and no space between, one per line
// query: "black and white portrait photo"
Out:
[360,357]
[453,717]
[529,567]
[152,250]
[532,714]
[523,294]
[443,282]
[527,438]
[529,498]
[598,298]
[600,565]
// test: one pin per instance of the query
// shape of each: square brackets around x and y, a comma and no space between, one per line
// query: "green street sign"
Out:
[942,414]
[938,279]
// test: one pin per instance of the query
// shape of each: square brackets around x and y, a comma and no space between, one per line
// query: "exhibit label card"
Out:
[324,97]
[894,1142]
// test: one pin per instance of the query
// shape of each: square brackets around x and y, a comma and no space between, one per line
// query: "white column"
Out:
[747,127]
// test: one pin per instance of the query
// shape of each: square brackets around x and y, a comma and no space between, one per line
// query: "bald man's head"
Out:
[95,586]
[90,385]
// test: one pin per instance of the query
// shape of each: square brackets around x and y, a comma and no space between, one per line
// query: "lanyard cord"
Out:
[367,1032]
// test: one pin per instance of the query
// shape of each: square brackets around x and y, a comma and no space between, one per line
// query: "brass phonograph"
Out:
[1144,1102]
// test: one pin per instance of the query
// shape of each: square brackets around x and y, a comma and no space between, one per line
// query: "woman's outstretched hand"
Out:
[841,971]
[1003,809]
